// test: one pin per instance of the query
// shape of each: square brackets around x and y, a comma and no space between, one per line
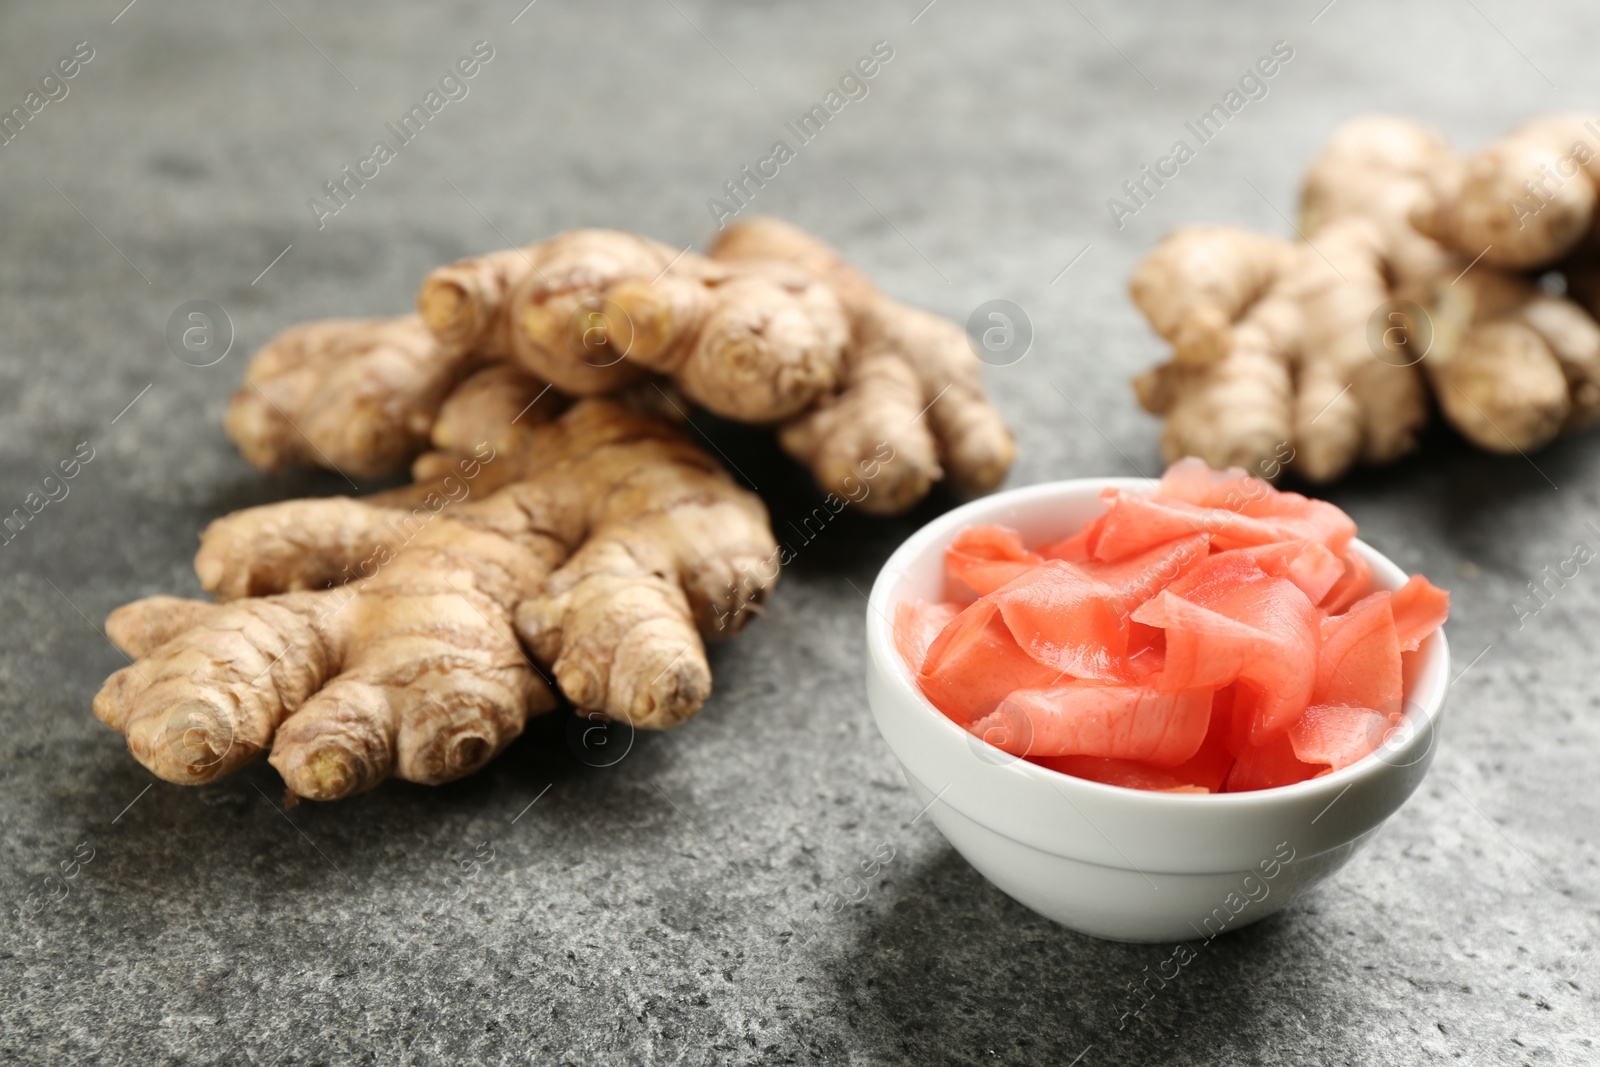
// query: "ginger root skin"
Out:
[1526,200]
[358,396]
[910,407]
[1201,281]
[500,407]
[753,345]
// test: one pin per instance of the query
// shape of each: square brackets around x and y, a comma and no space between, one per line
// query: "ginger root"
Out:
[358,639]
[547,544]
[1315,354]
[879,400]
[1273,365]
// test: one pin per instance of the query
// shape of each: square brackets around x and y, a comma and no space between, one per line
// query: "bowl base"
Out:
[1126,904]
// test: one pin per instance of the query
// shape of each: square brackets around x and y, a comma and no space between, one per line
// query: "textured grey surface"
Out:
[638,913]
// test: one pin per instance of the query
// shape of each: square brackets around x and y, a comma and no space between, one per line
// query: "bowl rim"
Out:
[1432,673]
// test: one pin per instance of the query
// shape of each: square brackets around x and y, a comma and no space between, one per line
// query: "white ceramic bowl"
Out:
[1127,864]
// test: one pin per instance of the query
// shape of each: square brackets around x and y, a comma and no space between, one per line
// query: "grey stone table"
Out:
[548,911]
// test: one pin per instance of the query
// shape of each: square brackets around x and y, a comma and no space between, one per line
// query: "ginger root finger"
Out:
[569,339]
[207,701]
[143,626]
[1504,390]
[293,545]
[1350,405]
[867,444]
[555,314]
[1518,365]
[976,448]
[620,631]
[1394,403]
[675,551]
[972,444]
[661,316]
[603,307]
[354,395]
[1573,337]
[1528,199]
[1199,280]
[481,303]
[433,682]
[619,639]
[340,741]
[752,346]
[435,686]
[463,303]
[1387,170]
[1362,254]
[1236,411]
[495,411]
